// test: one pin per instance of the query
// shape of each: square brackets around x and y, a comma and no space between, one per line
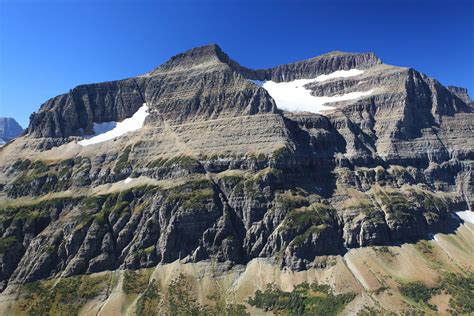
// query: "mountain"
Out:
[9,129]
[208,179]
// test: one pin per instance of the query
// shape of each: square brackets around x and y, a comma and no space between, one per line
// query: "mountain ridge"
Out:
[135,87]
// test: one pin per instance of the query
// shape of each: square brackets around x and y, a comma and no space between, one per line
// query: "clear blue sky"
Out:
[48,47]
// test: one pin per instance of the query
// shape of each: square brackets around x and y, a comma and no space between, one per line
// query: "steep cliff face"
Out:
[66,114]
[219,172]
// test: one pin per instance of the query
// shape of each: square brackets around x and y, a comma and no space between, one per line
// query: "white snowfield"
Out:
[339,74]
[128,180]
[466,216]
[293,96]
[100,128]
[110,130]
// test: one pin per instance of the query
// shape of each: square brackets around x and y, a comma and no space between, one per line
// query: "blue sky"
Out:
[48,47]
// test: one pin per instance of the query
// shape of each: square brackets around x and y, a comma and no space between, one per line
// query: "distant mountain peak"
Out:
[9,129]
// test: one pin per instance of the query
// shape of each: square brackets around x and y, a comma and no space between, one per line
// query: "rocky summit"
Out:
[208,176]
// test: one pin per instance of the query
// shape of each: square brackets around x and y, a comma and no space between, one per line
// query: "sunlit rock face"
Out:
[204,159]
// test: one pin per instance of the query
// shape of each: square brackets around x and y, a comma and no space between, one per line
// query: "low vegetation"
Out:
[304,217]
[6,243]
[193,195]
[66,297]
[134,282]
[122,162]
[425,247]
[40,178]
[290,202]
[183,162]
[417,291]
[178,299]
[403,205]
[461,289]
[149,302]
[459,286]
[29,213]
[252,184]
[305,299]
[100,207]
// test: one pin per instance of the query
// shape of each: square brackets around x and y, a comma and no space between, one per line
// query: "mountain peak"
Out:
[339,53]
[207,54]
[210,50]
[322,64]
[367,58]
[9,129]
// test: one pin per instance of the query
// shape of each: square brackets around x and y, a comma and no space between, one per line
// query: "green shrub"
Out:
[289,202]
[65,297]
[122,162]
[383,249]
[21,165]
[417,291]
[135,282]
[425,247]
[178,299]
[305,299]
[315,229]
[461,288]
[30,212]
[302,218]
[149,302]
[6,243]
[192,195]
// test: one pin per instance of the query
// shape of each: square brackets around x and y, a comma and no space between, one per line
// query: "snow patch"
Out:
[110,130]
[466,216]
[100,128]
[128,180]
[433,237]
[339,74]
[293,96]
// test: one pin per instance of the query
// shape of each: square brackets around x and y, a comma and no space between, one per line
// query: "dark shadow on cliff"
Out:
[310,163]
[449,226]
[309,260]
